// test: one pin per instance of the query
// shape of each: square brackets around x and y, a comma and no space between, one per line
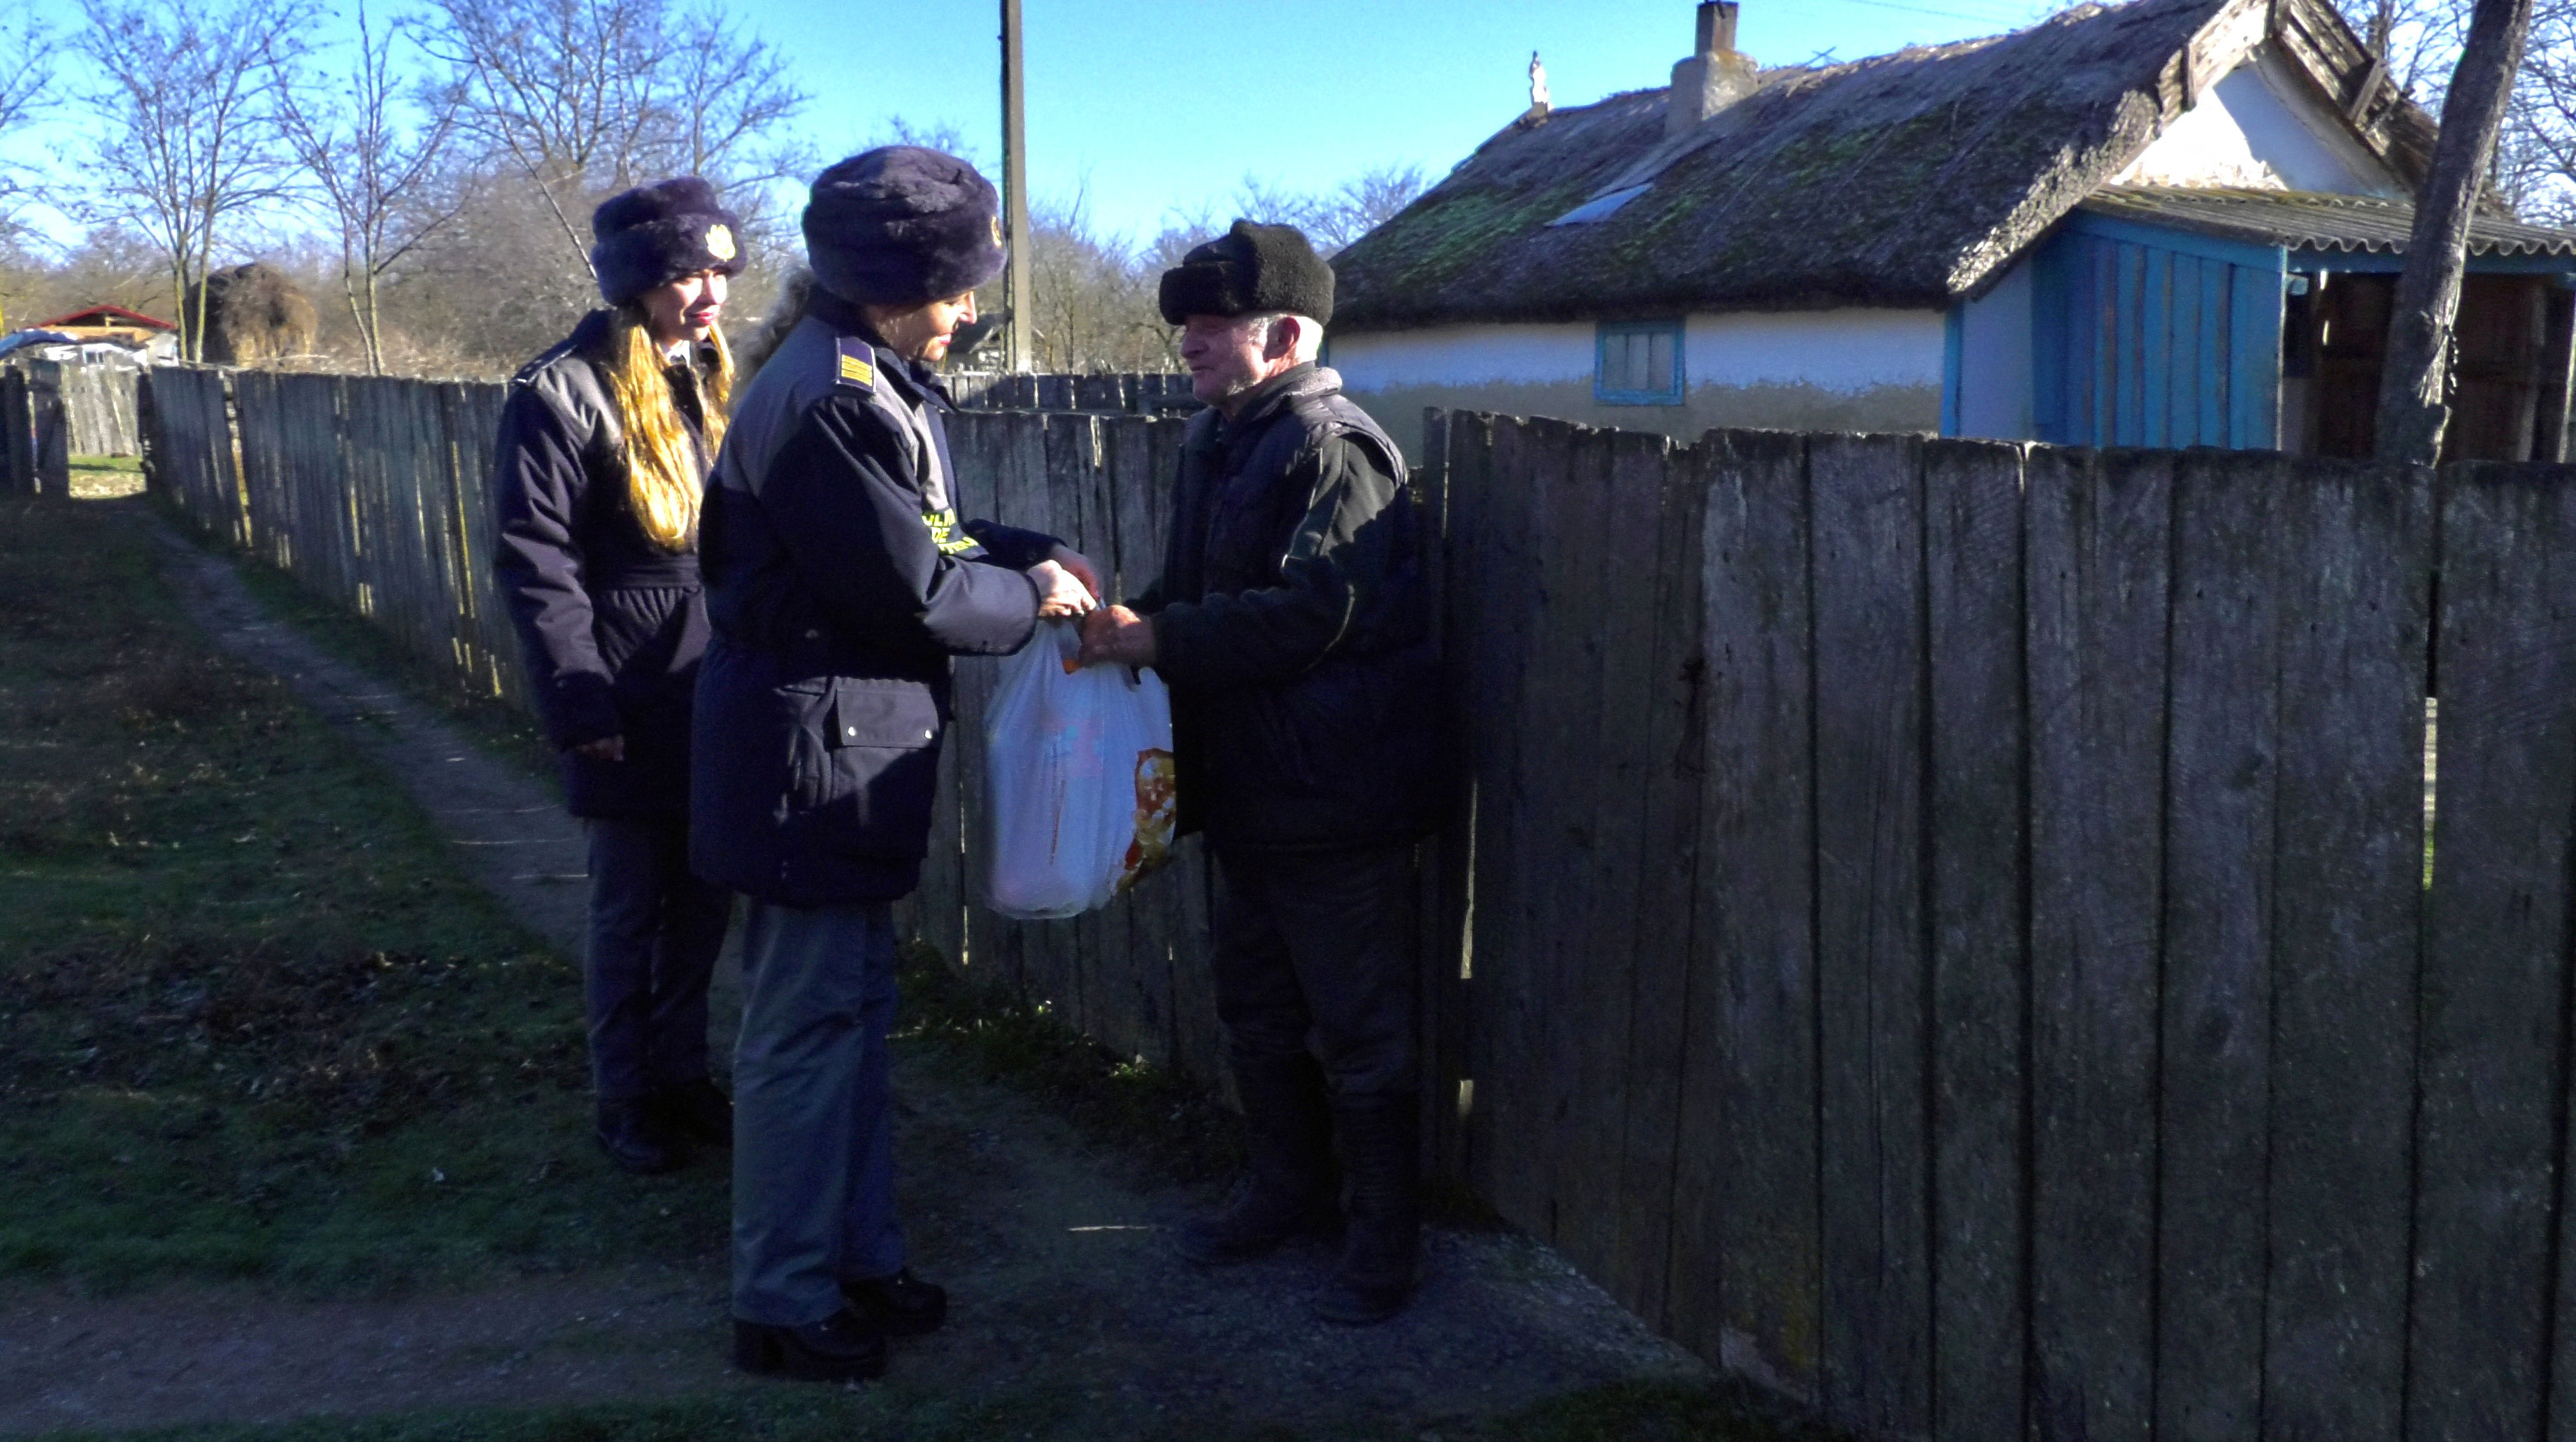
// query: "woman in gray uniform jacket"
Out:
[602,458]
[839,583]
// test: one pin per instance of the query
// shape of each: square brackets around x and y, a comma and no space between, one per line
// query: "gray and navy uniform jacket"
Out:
[610,625]
[1292,625]
[839,582]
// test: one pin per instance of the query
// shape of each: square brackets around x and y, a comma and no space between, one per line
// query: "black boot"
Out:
[698,1110]
[634,1139]
[1381,1153]
[1288,1185]
[840,1348]
[902,1305]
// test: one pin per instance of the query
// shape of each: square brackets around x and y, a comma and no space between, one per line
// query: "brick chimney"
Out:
[1715,76]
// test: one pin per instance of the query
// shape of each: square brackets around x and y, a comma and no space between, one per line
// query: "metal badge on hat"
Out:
[720,242]
[996,223]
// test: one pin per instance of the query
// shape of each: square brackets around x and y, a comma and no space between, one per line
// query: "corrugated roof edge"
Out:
[2311,220]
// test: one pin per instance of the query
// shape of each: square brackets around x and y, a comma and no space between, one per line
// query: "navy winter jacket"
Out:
[610,625]
[839,583]
[1292,625]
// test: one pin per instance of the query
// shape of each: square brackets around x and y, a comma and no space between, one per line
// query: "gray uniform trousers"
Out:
[813,1152]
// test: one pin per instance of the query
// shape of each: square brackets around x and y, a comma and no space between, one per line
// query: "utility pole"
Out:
[1015,193]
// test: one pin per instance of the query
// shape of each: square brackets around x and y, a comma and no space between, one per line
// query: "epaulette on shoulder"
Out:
[856,364]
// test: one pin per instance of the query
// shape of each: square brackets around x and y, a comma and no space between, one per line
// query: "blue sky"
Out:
[1145,105]
[1148,106]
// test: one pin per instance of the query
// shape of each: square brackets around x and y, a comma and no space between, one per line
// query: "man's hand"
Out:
[1081,567]
[1060,593]
[606,748]
[1117,634]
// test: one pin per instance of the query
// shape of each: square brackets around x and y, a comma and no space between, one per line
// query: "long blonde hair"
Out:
[663,481]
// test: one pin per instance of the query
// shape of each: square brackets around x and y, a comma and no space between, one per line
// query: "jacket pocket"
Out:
[876,748]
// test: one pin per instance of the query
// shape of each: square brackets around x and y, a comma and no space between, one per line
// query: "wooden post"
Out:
[52,471]
[1015,192]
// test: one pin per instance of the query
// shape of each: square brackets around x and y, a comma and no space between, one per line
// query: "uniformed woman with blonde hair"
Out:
[604,448]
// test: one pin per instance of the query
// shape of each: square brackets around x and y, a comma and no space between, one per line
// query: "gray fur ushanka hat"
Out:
[1249,270]
[901,225]
[656,233]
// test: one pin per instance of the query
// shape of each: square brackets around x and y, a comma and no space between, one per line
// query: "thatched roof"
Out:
[1901,180]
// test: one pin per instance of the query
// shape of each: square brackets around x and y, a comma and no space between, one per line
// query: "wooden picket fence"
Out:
[98,399]
[1145,393]
[1944,928]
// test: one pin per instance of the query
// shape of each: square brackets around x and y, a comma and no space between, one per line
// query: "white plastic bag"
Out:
[1078,798]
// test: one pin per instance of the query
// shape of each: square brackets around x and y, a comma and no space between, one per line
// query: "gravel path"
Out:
[1059,1278]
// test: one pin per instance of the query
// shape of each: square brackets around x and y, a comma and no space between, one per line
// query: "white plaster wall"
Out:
[1844,352]
[2262,126]
[1462,355]
[1995,360]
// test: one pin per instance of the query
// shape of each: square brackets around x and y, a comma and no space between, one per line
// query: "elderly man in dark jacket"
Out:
[840,581]
[1290,623]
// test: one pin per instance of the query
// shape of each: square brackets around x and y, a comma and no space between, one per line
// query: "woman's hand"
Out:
[606,748]
[1060,593]
[1081,567]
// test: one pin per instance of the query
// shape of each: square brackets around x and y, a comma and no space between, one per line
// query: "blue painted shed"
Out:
[2256,319]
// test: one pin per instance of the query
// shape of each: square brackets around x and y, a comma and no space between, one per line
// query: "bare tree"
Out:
[26,73]
[1333,218]
[2413,387]
[589,96]
[187,141]
[381,182]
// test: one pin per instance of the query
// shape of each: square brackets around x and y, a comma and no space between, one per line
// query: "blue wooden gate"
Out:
[2143,336]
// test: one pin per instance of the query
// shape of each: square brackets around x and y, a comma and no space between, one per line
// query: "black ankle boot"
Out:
[634,1139]
[902,1305]
[698,1110]
[1382,1256]
[1287,1187]
[840,1348]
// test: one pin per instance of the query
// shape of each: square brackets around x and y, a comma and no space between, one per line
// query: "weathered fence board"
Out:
[2490,1130]
[2216,1025]
[1944,928]
[17,434]
[2355,545]
[2099,530]
[1746,1264]
[1870,673]
[1980,963]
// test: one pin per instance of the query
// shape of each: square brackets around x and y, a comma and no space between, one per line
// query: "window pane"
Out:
[1659,363]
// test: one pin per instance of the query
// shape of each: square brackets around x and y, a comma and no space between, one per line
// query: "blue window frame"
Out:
[1638,363]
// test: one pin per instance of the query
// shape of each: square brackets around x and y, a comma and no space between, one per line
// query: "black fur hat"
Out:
[656,233]
[901,225]
[1250,270]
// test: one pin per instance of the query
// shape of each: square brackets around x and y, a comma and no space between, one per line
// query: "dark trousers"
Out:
[813,1145]
[655,930]
[1314,953]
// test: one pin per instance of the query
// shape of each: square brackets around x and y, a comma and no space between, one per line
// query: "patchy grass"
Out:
[883,1412]
[253,1021]
[100,477]
[1161,1120]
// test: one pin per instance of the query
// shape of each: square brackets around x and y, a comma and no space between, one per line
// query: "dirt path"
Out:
[1062,1287]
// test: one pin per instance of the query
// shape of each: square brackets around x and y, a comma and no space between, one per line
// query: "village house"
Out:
[2163,223]
[130,331]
